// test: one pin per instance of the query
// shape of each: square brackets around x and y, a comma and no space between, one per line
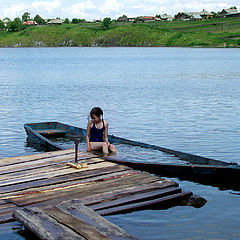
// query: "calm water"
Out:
[179,98]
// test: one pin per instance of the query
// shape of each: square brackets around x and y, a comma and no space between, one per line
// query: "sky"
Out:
[95,9]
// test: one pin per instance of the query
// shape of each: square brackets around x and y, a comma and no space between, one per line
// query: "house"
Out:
[227,11]
[183,16]
[165,17]
[236,14]
[131,19]
[55,22]
[122,19]
[194,15]
[146,18]
[30,23]
[205,14]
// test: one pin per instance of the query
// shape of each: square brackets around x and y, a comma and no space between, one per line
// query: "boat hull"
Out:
[193,167]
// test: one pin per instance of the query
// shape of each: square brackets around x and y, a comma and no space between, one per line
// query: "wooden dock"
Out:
[44,181]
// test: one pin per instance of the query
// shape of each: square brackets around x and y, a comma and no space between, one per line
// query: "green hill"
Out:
[209,33]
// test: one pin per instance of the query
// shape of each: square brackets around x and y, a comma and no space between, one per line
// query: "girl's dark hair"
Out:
[97,111]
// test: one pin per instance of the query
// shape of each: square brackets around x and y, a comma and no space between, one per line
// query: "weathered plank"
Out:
[44,226]
[54,174]
[39,163]
[45,185]
[6,218]
[123,192]
[51,197]
[33,170]
[78,210]
[138,197]
[21,159]
[143,205]
[62,181]
[79,226]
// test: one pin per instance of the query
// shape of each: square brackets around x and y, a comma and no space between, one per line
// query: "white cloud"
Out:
[110,6]
[13,11]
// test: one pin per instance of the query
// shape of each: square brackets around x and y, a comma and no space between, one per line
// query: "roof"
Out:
[229,10]
[30,23]
[122,19]
[55,21]
[196,16]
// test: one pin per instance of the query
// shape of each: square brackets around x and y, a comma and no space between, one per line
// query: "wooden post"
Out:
[76,150]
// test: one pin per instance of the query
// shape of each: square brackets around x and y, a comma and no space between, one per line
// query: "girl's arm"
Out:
[88,137]
[106,132]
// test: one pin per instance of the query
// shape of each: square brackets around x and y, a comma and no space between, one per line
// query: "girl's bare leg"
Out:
[112,148]
[99,146]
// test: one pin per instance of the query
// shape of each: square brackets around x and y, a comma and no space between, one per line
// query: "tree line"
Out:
[17,24]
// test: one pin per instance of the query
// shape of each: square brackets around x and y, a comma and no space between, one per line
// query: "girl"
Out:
[97,133]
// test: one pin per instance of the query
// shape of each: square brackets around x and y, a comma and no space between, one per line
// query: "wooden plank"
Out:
[138,197]
[123,192]
[143,205]
[6,218]
[39,163]
[64,180]
[78,210]
[44,226]
[27,158]
[18,172]
[54,174]
[67,188]
[79,226]
[51,197]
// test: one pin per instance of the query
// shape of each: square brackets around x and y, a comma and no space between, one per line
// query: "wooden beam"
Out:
[44,226]
[137,197]
[52,197]
[143,205]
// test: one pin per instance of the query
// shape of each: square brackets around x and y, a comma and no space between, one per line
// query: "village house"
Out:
[194,15]
[165,17]
[183,16]
[122,19]
[55,22]
[227,11]
[30,23]
[146,19]
[235,14]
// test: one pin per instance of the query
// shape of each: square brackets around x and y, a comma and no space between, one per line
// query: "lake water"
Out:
[180,98]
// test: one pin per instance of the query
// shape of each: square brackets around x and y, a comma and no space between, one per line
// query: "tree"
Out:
[39,20]
[26,17]
[74,20]
[106,23]
[67,21]
[78,20]
[2,26]
[214,14]
[15,25]
[234,7]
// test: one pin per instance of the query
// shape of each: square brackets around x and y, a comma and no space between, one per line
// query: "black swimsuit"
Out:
[96,135]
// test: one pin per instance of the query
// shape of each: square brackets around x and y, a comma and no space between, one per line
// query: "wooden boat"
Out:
[193,166]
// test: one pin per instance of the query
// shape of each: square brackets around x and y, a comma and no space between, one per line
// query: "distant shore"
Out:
[217,33]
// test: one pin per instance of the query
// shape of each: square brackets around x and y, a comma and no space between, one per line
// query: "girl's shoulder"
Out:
[105,122]
[90,123]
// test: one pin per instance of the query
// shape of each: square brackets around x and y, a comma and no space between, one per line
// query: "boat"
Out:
[193,166]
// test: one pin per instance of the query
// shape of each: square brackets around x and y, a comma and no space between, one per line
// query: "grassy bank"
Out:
[209,33]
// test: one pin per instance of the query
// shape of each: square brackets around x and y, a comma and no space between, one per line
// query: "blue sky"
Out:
[95,9]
